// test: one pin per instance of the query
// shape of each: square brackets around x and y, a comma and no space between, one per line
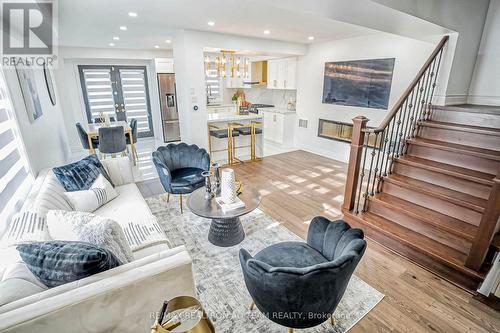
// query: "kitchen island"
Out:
[218,122]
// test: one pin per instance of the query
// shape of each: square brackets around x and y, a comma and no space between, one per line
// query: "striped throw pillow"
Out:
[99,194]
[58,262]
[144,233]
[51,196]
[25,227]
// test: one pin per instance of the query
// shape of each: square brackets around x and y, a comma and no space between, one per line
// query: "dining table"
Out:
[93,133]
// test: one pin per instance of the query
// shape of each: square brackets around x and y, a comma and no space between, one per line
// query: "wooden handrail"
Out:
[408,90]
[487,227]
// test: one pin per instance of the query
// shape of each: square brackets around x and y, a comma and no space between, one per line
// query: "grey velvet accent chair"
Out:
[112,141]
[179,167]
[299,285]
[82,134]
[132,141]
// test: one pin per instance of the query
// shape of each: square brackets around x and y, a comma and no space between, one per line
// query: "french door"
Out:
[121,92]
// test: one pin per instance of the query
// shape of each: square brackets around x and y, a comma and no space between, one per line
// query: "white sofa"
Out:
[123,299]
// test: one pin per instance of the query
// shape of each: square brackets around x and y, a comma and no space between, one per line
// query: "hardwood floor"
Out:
[297,186]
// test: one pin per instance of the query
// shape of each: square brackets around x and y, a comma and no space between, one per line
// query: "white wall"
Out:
[45,139]
[467,18]
[485,85]
[190,74]
[68,79]
[410,55]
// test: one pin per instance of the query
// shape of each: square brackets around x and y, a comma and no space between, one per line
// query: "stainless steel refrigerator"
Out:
[168,105]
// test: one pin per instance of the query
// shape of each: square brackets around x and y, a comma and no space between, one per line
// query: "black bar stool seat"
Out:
[248,130]
[222,133]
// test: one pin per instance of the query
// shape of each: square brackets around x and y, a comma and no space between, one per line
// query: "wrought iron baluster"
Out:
[430,73]
[406,119]
[434,83]
[399,131]
[410,121]
[370,172]
[421,101]
[388,157]
[377,168]
[362,174]
[396,139]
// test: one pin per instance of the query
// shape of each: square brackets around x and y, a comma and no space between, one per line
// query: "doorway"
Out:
[122,92]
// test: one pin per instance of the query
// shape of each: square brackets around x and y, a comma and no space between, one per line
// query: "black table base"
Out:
[226,232]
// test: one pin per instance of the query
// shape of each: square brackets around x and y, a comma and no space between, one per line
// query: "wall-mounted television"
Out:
[362,83]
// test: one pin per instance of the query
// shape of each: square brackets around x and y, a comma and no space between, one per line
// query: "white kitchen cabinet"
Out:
[281,73]
[235,82]
[279,126]
[164,65]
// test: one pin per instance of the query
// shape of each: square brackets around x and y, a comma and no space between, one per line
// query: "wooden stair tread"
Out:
[428,216]
[447,169]
[457,148]
[470,108]
[461,128]
[456,197]
[421,243]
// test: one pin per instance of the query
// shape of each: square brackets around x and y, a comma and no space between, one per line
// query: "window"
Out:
[15,177]
[213,85]
[120,91]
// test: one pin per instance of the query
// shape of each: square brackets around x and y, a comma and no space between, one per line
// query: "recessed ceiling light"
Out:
[116,38]
[168,41]
[310,37]
[123,28]
[267,32]
[132,14]
[211,23]
[111,44]
[157,46]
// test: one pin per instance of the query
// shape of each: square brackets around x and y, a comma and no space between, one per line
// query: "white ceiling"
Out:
[94,23]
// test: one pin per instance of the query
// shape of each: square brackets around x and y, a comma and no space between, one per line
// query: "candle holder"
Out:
[208,185]
[216,172]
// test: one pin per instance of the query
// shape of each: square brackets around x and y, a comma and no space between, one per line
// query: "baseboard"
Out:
[483,100]
[449,99]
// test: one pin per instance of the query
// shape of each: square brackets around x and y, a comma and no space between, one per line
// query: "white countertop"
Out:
[221,106]
[223,117]
[278,110]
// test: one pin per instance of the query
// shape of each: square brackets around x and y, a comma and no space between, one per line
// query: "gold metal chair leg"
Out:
[168,197]
[182,212]
[332,320]
[290,330]
[252,305]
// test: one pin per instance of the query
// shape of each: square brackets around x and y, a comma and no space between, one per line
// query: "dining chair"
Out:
[100,120]
[132,141]
[112,141]
[84,138]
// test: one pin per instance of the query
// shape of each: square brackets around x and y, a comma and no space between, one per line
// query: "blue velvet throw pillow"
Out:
[58,262]
[79,176]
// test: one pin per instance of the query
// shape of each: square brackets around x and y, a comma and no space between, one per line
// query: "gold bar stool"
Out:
[222,133]
[251,129]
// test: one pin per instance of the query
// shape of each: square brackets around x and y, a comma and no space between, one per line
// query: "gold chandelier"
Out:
[226,61]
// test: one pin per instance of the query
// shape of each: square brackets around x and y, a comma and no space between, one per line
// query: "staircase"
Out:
[429,188]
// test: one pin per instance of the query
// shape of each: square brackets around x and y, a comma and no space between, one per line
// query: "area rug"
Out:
[219,279]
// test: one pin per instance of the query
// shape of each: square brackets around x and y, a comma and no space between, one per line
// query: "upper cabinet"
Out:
[164,65]
[281,73]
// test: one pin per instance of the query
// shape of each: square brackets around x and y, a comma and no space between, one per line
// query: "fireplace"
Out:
[339,131]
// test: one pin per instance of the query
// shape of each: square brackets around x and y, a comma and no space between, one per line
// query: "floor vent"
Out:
[303,123]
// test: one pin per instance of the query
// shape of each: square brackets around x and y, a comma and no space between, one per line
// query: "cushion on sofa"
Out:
[14,289]
[51,196]
[26,226]
[90,228]
[80,175]
[89,200]
[58,262]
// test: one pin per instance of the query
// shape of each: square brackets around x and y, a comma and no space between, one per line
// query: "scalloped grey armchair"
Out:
[304,280]
[180,166]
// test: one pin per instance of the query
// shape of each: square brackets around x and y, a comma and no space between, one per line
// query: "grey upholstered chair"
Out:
[132,141]
[179,167]
[304,280]
[82,134]
[112,140]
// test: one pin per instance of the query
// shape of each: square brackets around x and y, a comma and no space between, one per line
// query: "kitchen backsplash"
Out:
[262,95]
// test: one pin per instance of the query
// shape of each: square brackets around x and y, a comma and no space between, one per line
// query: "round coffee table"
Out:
[225,229]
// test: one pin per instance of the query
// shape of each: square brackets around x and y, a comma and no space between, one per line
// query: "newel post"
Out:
[357,141]
[487,228]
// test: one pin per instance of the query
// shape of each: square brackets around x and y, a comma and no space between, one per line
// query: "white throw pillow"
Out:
[51,196]
[25,227]
[90,228]
[89,200]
